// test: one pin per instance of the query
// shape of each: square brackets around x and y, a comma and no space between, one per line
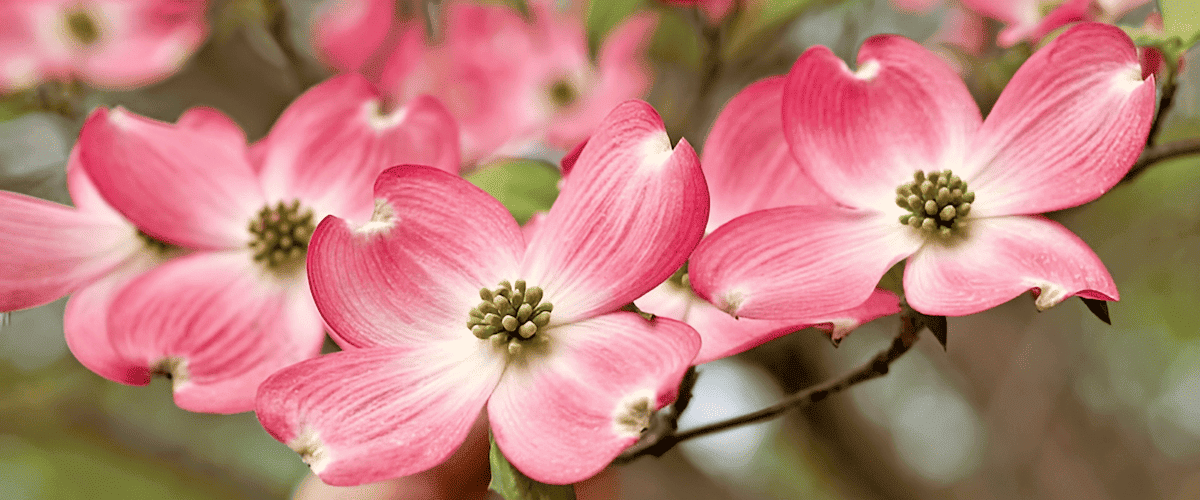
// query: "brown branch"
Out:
[658,440]
[1162,152]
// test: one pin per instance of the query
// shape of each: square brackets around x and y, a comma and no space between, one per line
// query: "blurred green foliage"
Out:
[525,187]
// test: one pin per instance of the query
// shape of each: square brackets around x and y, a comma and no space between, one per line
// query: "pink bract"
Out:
[748,167]
[397,293]
[510,81]
[104,43]
[237,307]
[1065,130]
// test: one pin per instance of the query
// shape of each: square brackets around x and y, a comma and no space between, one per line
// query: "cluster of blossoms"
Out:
[191,254]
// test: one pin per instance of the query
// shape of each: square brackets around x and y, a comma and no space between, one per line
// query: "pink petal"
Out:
[863,133]
[798,261]
[568,160]
[623,73]
[366,415]
[563,417]
[1068,126]
[416,268]
[328,147]
[85,323]
[1002,258]
[218,315]
[187,186]
[347,34]
[628,216]
[723,335]
[141,42]
[50,250]
[747,162]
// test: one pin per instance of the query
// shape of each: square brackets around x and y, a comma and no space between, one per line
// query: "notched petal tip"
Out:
[382,219]
[867,70]
[632,415]
[655,150]
[312,451]
[174,368]
[1047,295]
[381,120]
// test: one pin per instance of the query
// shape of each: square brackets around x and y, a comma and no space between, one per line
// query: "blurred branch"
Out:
[658,441]
[280,26]
[1162,152]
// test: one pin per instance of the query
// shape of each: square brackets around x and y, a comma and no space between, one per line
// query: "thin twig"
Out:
[657,443]
[281,30]
[1162,152]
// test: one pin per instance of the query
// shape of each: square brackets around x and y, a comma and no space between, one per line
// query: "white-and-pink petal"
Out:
[564,415]
[218,323]
[366,415]
[779,263]
[414,271]
[628,216]
[1001,258]
[192,187]
[329,145]
[746,160]
[863,132]
[1067,127]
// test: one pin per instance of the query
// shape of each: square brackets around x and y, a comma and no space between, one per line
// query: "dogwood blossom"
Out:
[915,173]
[105,43]
[443,308]
[237,307]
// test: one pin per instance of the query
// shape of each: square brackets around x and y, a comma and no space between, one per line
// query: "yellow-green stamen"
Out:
[938,202]
[509,315]
[281,234]
[82,27]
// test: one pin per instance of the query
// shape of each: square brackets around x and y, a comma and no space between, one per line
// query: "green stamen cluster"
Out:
[509,314]
[281,234]
[82,27]
[563,94]
[938,201]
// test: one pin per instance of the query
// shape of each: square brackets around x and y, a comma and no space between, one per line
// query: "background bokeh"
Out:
[1020,405]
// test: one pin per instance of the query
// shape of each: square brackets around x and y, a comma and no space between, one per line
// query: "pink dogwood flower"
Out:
[748,167]
[1031,20]
[443,308]
[237,308]
[915,173]
[508,80]
[105,43]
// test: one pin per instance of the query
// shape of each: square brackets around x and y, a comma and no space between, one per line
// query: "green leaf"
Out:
[1181,18]
[604,15]
[758,20]
[524,187]
[511,484]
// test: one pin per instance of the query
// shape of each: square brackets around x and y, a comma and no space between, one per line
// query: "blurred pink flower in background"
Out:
[510,81]
[1031,20]
[1065,130]
[568,380]
[748,167]
[237,307]
[104,43]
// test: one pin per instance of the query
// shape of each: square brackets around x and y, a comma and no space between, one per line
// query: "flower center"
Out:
[563,94]
[281,234]
[509,315]
[939,201]
[82,27]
